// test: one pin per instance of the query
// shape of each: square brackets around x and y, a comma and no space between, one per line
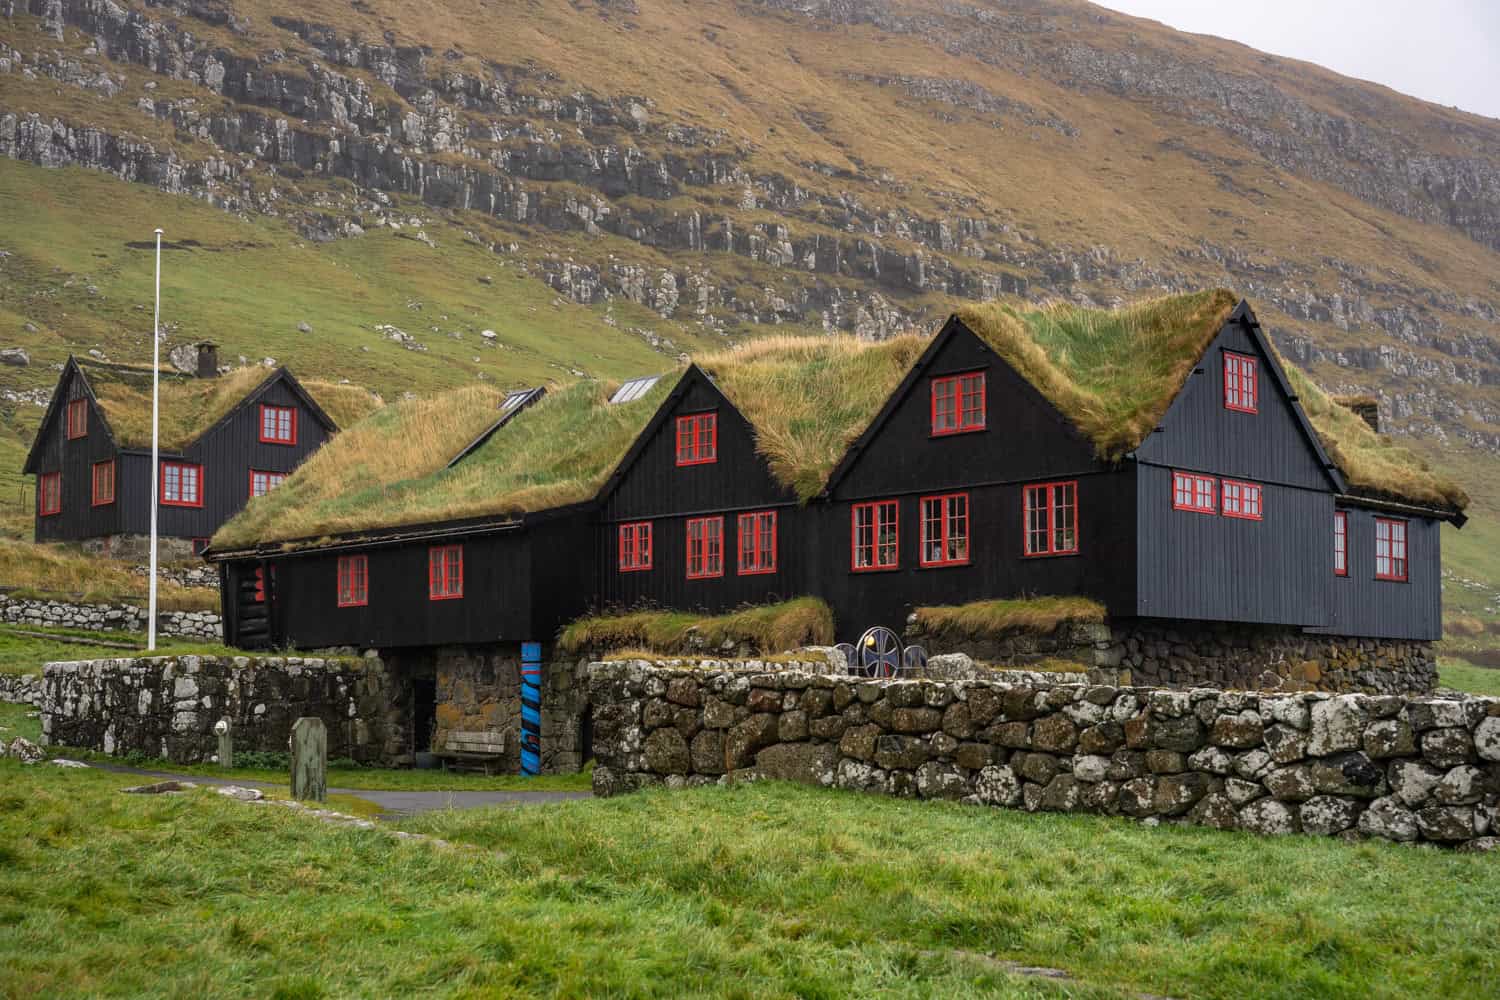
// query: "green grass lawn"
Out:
[350,775]
[27,654]
[14,722]
[764,890]
[1464,677]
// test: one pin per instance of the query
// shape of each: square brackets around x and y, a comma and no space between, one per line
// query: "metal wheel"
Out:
[914,660]
[879,652]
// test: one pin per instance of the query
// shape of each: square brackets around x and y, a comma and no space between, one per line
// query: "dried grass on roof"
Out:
[767,628]
[1372,463]
[345,403]
[993,618]
[390,470]
[808,398]
[1112,372]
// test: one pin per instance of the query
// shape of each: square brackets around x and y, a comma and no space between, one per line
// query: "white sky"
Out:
[1444,51]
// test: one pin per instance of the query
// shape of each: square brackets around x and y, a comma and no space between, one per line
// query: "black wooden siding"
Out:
[75,460]
[1362,605]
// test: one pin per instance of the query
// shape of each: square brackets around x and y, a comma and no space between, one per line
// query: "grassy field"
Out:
[753,891]
[27,654]
[1464,677]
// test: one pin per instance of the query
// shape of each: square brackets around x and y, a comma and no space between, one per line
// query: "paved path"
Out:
[392,803]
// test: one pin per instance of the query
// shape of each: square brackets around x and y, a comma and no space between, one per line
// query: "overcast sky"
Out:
[1444,51]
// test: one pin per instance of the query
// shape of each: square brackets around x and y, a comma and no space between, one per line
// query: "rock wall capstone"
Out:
[1351,765]
[167,706]
[1210,654]
[110,618]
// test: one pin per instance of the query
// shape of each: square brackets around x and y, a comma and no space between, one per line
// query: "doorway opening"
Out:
[423,712]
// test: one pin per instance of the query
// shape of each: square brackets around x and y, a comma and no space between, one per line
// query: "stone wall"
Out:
[21,689]
[1350,765]
[167,706]
[1183,654]
[206,625]
[137,548]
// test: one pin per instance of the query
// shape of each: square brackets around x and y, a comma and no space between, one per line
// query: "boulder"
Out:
[859,742]
[1285,744]
[1348,774]
[1267,817]
[906,753]
[1240,731]
[1412,782]
[26,751]
[1176,793]
[1216,810]
[1091,768]
[1447,747]
[806,763]
[940,781]
[1390,819]
[1061,794]
[1389,738]
[1290,783]
[1337,724]
[1055,733]
[1446,823]
[744,740]
[667,752]
[707,752]
[997,785]
[1327,815]
[1463,785]
[16,357]
[1487,739]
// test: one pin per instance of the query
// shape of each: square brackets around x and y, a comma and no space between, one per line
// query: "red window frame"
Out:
[944,520]
[354,581]
[707,550]
[180,468]
[881,513]
[100,497]
[282,431]
[757,543]
[635,547]
[1340,543]
[49,494]
[1052,501]
[445,572]
[279,477]
[1241,383]
[698,439]
[1391,549]
[958,404]
[1191,491]
[1240,499]
[78,418]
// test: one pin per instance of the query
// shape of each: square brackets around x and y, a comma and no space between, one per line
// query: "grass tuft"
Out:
[1037,615]
[770,628]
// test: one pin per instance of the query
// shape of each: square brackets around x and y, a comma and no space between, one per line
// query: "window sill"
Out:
[1050,555]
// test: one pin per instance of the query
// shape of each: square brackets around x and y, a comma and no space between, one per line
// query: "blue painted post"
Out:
[531,708]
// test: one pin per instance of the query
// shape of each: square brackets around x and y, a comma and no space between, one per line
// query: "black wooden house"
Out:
[224,440]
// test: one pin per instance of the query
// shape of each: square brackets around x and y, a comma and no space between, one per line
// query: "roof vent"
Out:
[1367,408]
[208,359]
[634,389]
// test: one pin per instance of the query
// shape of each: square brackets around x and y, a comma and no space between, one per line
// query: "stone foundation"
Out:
[1212,654]
[137,548]
[1403,769]
[110,618]
[167,706]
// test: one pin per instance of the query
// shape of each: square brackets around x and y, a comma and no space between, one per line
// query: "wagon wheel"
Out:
[879,652]
[914,660]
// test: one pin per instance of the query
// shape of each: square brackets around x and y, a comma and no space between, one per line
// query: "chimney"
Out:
[1366,408]
[208,359]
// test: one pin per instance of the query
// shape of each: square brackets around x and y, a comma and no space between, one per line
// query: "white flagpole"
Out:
[155,461]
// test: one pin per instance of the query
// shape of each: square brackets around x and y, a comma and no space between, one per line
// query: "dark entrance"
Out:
[423,712]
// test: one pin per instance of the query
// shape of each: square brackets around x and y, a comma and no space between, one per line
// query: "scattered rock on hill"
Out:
[29,327]
[488,335]
[159,788]
[184,357]
[485,279]
[26,751]
[304,327]
[15,357]
[243,794]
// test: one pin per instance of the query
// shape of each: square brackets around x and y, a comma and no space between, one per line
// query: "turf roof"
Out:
[190,406]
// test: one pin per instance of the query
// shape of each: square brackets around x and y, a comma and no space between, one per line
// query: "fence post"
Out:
[310,760]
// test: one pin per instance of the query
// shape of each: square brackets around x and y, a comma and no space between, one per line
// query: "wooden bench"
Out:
[481,749]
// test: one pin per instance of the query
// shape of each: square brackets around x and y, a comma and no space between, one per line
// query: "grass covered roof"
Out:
[190,406]
[1114,373]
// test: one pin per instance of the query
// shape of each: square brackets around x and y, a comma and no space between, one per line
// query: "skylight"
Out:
[634,389]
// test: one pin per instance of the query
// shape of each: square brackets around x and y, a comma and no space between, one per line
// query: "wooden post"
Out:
[531,708]
[309,760]
[226,743]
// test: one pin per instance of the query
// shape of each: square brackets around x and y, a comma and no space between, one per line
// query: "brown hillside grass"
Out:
[771,628]
[345,403]
[57,572]
[1113,373]
[1036,615]
[810,397]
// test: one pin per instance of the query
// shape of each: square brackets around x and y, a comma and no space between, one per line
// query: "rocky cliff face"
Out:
[339,129]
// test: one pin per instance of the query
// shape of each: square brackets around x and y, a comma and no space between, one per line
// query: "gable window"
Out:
[1239,499]
[78,418]
[354,581]
[945,530]
[49,493]
[1193,492]
[181,484]
[635,547]
[958,403]
[1390,549]
[445,572]
[698,439]
[1340,543]
[104,483]
[278,424]
[1240,390]
[262,483]
[757,533]
[705,547]
[1052,519]
[876,535]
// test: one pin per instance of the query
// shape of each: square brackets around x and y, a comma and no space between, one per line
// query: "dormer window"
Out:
[1240,390]
[78,418]
[278,425]
[698,439]
[958,403]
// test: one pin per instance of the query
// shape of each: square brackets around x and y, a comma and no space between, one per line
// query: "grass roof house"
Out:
[223,439]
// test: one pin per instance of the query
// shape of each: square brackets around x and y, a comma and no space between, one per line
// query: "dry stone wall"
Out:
[1403,769]
[21,689]
[167,706]
[206,625]
[1211,654]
